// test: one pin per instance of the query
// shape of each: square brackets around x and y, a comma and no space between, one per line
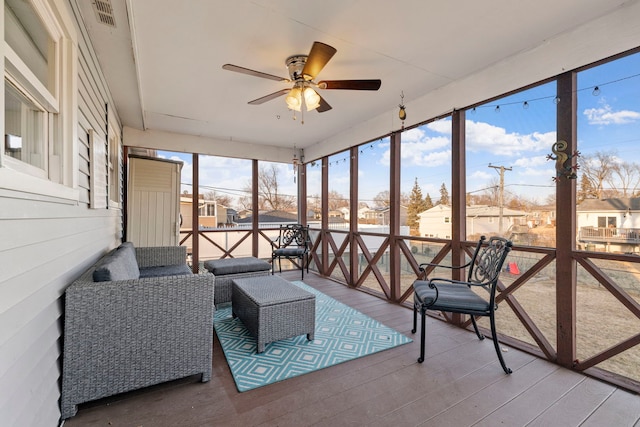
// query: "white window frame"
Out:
[58,180]
[114,164]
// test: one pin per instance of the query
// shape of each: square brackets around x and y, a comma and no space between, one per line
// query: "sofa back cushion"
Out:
[121,264]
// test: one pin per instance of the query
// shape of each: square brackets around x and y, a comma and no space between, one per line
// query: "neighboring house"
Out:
[345,213]
[210,213]
[481,219]
[338,213]
[542,216]
[380,215]
[612,225]
[270,219]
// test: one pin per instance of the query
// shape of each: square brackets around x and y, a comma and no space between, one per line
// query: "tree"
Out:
[269,197]
[428,202]
[444,196]
[415,206]
[337,201]
[221,199]
[586,190]
[598,168]
[627,175]
[382,199]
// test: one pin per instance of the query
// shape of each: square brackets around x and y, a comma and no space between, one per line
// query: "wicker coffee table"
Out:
[273,309]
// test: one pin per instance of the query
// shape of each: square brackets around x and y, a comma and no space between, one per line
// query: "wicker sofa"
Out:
[137,317]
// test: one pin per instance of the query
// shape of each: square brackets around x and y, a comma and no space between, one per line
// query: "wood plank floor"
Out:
[459,384]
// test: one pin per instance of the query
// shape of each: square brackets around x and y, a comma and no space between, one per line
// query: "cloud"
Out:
[495,140]
[606,116]
[532,161]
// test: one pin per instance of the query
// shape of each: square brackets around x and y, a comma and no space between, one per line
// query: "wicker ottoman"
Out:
[228,269]
[273,309]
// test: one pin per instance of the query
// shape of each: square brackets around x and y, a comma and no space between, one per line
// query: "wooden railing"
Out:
[608,290]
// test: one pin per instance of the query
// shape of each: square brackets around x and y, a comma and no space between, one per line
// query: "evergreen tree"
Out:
[444,196]
[416,205]
[586,190]
[428,202]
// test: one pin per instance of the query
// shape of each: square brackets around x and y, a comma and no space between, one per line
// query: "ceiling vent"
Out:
[104,12]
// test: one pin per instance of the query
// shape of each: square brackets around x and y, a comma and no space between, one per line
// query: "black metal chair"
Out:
[292,243]
[455,296]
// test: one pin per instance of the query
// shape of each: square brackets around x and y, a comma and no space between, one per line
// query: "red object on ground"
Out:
[513,268]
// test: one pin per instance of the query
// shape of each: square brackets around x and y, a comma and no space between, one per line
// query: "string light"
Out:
[595,91]
[336,162]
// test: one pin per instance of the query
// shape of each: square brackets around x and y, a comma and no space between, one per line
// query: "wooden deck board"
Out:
[460,383]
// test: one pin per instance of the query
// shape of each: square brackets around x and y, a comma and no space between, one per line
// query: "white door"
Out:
[153,202]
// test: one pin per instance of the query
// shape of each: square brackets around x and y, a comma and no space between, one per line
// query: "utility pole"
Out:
[501,170]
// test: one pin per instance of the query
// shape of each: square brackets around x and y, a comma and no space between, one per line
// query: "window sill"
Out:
[24,186]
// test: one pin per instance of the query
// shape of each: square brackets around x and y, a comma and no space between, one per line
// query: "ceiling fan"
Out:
[303,69]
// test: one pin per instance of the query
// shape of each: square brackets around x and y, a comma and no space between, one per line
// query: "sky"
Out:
[514,132]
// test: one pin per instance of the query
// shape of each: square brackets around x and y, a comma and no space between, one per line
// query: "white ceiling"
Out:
[163,61]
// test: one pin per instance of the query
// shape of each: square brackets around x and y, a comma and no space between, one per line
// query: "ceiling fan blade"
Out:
[324,106]
[255,73]
[269,97]
[318,57]
[350,84]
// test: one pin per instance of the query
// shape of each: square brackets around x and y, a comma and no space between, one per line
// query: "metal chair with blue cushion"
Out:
[292,243]
[456,296]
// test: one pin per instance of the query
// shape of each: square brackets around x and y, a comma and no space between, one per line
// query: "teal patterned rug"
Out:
[342,334]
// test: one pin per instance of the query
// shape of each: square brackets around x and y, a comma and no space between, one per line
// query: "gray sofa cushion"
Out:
[165,270]
[221,267]
[120,265]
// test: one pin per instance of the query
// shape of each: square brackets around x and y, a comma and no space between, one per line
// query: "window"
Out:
[24,129]
[607,222]
[40,105]
[447,219]
[114,166]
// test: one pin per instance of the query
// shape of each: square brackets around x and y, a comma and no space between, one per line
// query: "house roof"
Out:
[614,204]
[163,62]
[271,217]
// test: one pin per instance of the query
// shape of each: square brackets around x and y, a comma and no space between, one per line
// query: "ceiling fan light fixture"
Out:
[311,99]
[294,99]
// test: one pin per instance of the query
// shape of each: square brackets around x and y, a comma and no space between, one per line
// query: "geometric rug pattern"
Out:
[342,333]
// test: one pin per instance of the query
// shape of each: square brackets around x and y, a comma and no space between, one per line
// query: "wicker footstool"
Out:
[228,269]
[273,309]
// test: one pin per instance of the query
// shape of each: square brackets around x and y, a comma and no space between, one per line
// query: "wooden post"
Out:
[195,221]
[566,270]
[324,215]
[458,198]
[394,218]
[255,220]
[353,217]
[458,191]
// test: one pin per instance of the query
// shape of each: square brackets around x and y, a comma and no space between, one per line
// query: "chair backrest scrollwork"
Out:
[294,235]
[488,259]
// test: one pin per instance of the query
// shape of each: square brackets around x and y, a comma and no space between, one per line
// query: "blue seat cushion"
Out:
[290,252]
[451,297]
[221,267]
[165,270]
